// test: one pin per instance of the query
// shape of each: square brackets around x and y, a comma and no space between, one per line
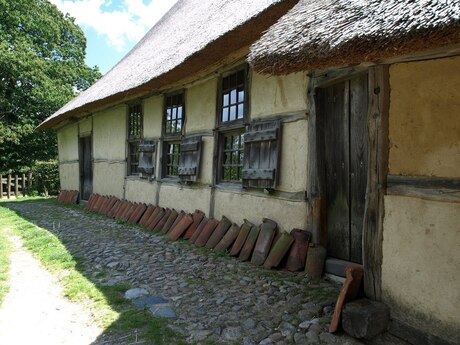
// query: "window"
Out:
[233,97]
[173,126]
[134,137]
[171,158]
[232,114]
[174,114]
[232,157]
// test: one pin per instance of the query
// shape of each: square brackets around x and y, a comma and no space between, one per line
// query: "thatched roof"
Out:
[317,34]
[191,36]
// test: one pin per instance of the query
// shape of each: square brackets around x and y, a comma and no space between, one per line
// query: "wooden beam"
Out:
[23,185]
[313,185]
[425,187]
[16,187]
[8,186]
[378,113]
[29,183]
[424,182]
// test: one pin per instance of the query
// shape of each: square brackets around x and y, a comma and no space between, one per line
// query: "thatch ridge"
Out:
[175,47]
[317,34]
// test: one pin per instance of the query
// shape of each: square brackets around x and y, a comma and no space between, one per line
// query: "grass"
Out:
[5,250]
[106,303]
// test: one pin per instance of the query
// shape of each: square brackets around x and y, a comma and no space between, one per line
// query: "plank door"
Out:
[343,107]
[86,169]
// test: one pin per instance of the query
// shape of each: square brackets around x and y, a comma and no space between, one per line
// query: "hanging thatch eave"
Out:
[319,34]
[192,36]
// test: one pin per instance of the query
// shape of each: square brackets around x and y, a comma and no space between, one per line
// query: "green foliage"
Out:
[42,67]
[46,177]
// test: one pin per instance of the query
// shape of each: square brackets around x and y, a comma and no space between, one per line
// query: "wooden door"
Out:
[86,169]
[343,107]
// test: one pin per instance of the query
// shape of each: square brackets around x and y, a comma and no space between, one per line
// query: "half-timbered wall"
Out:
[109,155]
[68,157]
[271,98]
[421,236]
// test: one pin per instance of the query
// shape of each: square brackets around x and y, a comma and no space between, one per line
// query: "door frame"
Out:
[80,162]
[378,148]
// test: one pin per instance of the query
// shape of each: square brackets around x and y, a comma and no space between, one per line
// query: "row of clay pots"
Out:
[260,244]
[67,197]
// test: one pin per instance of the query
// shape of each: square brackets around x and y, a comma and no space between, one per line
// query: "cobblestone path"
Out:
[217,299]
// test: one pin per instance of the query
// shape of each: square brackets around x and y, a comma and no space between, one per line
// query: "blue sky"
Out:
[113,27]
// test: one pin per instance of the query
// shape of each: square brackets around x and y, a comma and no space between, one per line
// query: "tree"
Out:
[42,67]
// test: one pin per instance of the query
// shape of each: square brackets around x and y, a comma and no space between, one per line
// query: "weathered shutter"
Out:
[189,162]
[146,158]
[261,151]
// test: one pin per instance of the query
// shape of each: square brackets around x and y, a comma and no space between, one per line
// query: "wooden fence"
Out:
[17,185]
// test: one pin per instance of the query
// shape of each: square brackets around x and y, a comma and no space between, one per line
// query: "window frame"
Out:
[176,134]
[134,140]
[221,154]
[237,122]
[231,127]
[166,154]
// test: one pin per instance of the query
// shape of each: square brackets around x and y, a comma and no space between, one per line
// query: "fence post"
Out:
[8,186]
[29,183]
[16,187]
[1,187]
[23,185]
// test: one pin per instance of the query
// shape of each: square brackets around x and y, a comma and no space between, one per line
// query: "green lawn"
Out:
[106,303]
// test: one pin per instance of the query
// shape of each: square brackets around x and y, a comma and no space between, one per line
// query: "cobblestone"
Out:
[214,297]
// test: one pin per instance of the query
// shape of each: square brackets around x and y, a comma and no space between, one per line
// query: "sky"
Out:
[113,27]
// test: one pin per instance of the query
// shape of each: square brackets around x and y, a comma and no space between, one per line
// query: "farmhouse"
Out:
[338,117]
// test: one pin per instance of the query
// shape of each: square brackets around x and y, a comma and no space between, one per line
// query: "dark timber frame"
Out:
[378,147]
[135,130]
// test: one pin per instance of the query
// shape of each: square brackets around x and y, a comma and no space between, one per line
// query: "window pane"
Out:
[240,96]
[226,98]
[174,113]
[241,77]
[179,125]
[233,80]
[224,114]
[232,113]
[225,85]
[240,110]
[233,97]
[168,114]
[179,112]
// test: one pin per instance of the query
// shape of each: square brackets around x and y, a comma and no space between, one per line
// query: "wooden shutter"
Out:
[189,162]
[261,151]
[147,158]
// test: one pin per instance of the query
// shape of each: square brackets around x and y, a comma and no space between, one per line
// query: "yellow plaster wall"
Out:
[421,263]
[153,115]
[278,94]
[206,164]
[141,190]
[293,163]
[69,176]
[200,106]
[85,126]
[109,178]
[425,118]
[237,206]
[68,143]
[109,134]
[185,198]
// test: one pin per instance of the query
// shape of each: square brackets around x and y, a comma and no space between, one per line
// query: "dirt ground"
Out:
[35,311]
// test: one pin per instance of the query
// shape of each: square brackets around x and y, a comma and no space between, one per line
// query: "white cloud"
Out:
[126,23]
